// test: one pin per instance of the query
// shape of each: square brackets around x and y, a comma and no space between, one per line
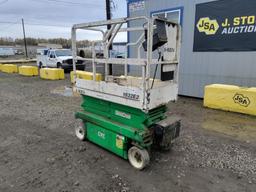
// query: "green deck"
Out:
[123,114]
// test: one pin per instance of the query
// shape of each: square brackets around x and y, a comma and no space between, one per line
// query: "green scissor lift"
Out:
[118,127]
[124,115]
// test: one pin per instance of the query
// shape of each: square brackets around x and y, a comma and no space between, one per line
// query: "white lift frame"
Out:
[136,93]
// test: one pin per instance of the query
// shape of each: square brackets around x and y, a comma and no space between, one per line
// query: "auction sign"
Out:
[225,25]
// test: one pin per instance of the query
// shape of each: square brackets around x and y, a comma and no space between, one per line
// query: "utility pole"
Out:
[108,15]
[108,11]
[24,34]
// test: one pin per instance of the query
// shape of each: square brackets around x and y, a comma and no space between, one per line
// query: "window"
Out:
[52,54]
[63,52]
[174,15]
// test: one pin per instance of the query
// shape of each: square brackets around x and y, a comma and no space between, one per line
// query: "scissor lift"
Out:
[127,114]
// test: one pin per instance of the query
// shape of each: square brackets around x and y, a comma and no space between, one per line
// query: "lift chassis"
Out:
[124,114]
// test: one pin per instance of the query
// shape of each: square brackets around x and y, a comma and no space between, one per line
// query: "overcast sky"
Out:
[55,16]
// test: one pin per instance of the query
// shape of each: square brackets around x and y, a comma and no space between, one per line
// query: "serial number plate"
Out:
[131,96]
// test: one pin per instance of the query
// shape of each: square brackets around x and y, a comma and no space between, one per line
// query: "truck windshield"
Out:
[60,53]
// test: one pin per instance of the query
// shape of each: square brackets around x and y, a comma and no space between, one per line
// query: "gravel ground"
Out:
[216,151]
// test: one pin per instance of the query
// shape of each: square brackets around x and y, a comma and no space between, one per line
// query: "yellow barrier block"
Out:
[231,98]
[84,75]
[9,68]
[1,66]
[28,70]
[52,74]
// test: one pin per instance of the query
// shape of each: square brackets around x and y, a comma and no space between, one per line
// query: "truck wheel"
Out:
[59,65]
[40,65]
[138,158]
[81,131]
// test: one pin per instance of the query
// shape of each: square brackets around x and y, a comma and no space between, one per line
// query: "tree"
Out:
[66,43]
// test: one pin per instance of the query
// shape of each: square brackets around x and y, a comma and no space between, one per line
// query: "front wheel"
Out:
[59,65]
[80,131]
[138,158]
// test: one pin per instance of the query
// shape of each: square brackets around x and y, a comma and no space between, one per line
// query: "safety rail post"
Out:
[131,44]
[93,61]
[74,54]
[149,61]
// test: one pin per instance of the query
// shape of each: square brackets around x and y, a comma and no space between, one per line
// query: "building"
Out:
[218,40]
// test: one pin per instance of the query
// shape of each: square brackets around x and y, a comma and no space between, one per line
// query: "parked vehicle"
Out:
[57,58]
[5,52]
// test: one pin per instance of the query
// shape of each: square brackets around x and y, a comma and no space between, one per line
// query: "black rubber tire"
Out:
[82,54]
[59,65]
[40,65]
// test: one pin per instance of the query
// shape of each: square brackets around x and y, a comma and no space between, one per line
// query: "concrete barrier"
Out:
[231,98]
[84,75]
[52,74]
[9,68]
[28,71]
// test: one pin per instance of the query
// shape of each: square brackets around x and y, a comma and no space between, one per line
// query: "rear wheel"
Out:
[138,158]
[81,131]
[40,65]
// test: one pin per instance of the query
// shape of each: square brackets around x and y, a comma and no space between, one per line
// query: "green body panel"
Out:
[114,121]
[107,139]
[123,114]
[134,134]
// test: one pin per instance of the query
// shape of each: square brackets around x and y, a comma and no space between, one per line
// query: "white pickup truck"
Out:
[57,58]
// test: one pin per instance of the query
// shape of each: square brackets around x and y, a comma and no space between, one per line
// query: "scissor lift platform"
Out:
[126,114]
